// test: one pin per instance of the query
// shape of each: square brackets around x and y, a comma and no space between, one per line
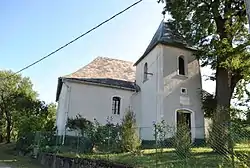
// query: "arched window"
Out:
[181,65]
[116,105]
[145,77]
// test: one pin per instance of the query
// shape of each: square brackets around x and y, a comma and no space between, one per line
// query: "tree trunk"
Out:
[1,127]
[1,136]
[8,128]
[221,118]
[8,131]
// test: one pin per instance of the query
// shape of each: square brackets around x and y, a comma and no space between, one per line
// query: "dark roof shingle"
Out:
[165,35]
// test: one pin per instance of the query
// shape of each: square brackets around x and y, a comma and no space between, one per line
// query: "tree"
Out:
[13,87]
[217,28]
[129,136]
[34,115]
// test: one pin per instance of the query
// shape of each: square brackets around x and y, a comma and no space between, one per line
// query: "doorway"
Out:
[184,122]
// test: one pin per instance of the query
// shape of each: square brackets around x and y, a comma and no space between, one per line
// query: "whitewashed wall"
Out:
[62,110]
[173,99]
[160,96]
[150,110]
[91,102]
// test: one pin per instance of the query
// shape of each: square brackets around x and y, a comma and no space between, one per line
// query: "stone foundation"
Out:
[54,161]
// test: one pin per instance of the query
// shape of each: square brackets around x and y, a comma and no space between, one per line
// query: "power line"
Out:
[77,38]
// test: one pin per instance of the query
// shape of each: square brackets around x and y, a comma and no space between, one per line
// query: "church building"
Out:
[163,84]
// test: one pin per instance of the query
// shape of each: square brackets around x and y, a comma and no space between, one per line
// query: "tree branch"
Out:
[206,2]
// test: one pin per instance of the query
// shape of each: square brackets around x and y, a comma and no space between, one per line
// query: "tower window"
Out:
[116,104]
[183,90]
[181,65]
[145,77]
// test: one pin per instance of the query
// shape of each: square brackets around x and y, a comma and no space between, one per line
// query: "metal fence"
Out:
[161,146]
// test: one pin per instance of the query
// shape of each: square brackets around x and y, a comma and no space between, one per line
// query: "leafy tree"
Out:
[20,110]
[13,87]
[35,115]
[248,116]
[208,104]
[130,140]
[217,28]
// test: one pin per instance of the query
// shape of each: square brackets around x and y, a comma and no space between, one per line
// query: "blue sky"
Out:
[32,29]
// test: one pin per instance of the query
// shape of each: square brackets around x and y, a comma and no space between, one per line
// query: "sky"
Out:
[32,29]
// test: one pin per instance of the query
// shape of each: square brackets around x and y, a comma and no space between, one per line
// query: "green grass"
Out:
[9,158]
[199,158]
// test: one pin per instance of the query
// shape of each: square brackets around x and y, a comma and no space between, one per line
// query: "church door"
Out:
[184,123]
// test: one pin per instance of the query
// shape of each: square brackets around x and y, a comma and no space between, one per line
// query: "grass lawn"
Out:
[8,158]
[199,158]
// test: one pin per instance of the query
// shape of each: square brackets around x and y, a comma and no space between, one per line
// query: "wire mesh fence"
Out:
[161,145]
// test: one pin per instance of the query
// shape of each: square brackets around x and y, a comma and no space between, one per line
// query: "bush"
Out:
[182,141]
[100,138]
[25,143]
[130,141]
[107,137]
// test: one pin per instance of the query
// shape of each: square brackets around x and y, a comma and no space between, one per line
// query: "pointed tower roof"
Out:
[165,35]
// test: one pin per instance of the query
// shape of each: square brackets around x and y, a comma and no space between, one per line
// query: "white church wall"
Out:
[135,105]
[150,111]
[95,102]
[61,110]
[173,98]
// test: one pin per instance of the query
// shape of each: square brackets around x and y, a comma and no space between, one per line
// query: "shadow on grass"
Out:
[165,159]
[199,157]
[9,157]
[171,159]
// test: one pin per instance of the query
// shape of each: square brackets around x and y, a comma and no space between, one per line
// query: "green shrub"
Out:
[130,141]
[101,138]
[160,133]
[25,143]
[182,141]
[107,137]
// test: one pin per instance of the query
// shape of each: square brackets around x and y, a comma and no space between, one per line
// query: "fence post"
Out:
[231,145]
[78,142]
[156,145]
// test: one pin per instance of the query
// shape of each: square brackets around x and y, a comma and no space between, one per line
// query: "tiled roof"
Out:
[106,72]
[165,35]
[103,67]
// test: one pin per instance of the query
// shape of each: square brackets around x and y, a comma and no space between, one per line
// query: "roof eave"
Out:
[59,88]
[101,84]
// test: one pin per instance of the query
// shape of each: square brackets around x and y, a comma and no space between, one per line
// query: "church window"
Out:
[116,105]
[183,90]
[181,65]
[145,77]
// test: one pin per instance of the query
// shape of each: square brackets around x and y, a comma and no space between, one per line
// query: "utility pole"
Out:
[247,2]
